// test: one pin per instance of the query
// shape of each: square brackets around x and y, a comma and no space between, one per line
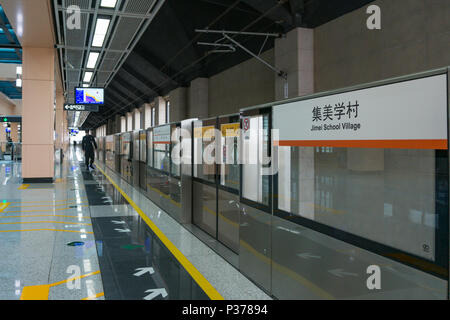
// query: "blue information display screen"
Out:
[89,95]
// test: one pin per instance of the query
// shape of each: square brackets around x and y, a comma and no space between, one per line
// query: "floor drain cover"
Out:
[76,244]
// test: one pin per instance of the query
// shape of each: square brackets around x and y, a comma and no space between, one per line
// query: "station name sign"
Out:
[81,107]
[161,135]
[405,115]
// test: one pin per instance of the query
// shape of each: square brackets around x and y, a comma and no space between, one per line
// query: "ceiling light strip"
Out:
[108,3]
[101,29]
[88,76]
[92,60]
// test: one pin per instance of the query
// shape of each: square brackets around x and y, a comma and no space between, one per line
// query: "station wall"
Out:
[414,37]
[247,84]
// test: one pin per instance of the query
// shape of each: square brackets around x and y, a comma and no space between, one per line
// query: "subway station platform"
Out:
[90,235]
[257,151]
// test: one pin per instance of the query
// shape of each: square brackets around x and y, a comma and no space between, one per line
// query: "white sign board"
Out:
[161,135]
[407,115]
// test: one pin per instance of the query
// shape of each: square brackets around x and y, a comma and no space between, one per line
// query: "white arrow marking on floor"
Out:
[143,271]
[155,292]
[307,256]
[341,273]
[123,230]
[118,222]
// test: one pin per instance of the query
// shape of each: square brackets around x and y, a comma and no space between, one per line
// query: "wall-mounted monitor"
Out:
[89,95]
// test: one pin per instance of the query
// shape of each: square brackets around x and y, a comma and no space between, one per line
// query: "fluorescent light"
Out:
[108,3]
[19,83]
[19,70]
[87,76]
[92,60]
[101,28]
[85,85]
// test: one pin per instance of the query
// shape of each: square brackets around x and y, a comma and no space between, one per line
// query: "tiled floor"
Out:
[35,228]
[122,256]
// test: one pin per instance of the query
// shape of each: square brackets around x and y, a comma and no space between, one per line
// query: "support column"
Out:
[117,124]
[199,98]
[123,124]
[146,116]
[160,111]
[66,136]
[142,117]
[129,117]
[178,104]
[59,120]
[294,54]
[38,114]
[136,119]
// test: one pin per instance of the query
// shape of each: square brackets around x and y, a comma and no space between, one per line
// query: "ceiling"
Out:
[127,20]
[152,47]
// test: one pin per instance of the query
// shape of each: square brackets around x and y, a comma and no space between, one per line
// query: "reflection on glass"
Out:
[204,144]
[374,193]
[255,146]
[229,156]
[150,148]
[161,157]
[175,166]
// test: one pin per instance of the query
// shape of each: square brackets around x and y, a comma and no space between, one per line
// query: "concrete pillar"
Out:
[178,104]
[198,98]
[123,124]
[66,136]
[136,119]
[38,114]
[142,117]
[160,108]
[129,117]
[117,124]
[59,120]
[294,54]
[146,116]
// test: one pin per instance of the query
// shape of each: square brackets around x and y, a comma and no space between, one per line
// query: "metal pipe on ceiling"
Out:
[276,35]
[201,58]
[277,71]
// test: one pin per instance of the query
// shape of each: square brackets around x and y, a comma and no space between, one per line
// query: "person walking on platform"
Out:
[88,144]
